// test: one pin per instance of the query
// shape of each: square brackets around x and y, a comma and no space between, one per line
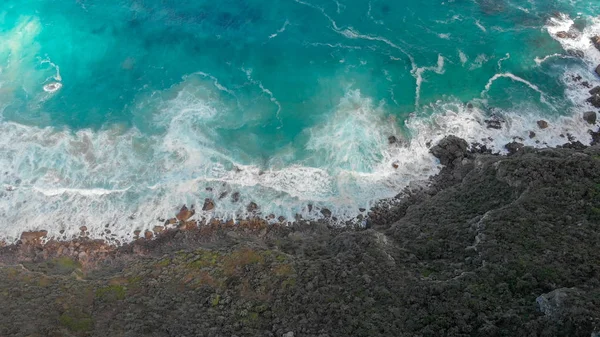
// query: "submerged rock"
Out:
[252,207]
[590,117]
[494,122]
[392,139]
[542,124]
[531,134]
[596,41]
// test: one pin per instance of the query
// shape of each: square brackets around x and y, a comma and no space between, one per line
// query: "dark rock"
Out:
[223,195]
[513,147]
[531,134]
[235,197]
[598,70]
[252,207]
[395,165]
[576,53]
[590,117]
[596,41]
[281,218]
[494,122]
[209,205]
[326,212]
[594,101]
[542,124]
[575,145]
[310,208]
[595,91]
[567,35]
[362,210]
[450,149]
[392,139]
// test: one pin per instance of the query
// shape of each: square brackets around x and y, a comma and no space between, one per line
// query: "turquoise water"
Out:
[289,103]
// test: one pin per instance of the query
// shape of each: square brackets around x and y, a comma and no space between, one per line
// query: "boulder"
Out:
[235,197]
[392,139]
[566,35]
[34,238]
[598,70]
[596,41]
[594,101]
[185,214]
[557,303]
[450,149]
[326,213]
[542,124]
[595,91]
[209,205]
[494,122]
[252,207]
[590,117]
[513,147]
[531,134]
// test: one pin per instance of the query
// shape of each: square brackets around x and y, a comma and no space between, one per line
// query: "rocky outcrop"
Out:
[590,117]
[492,246]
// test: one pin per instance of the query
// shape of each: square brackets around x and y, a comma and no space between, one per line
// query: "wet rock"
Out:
[594,101]
[596,41]
[567,35]
[392,139]
[281,218]
[148,235]
[235,197]
[209,189]
[542,124]
[158,229]
[223,195]
[531,134]
[185,214]
[310,208]
[83,229]
[136,232]
[33,238]
[252,207]
[598,70]
[450,149]
[326,212]
[590,117]
[362,210]
[209,205]
[576,53]
[513,147]
[494,122]
[395,165]
[595,91]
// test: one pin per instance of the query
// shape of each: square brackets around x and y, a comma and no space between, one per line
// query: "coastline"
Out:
[490,234]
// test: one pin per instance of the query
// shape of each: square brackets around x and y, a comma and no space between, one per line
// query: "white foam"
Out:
[280,30]
[581,41]
[418,74]
[517,79]
[52,87]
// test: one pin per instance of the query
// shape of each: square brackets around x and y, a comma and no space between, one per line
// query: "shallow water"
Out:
[115,113]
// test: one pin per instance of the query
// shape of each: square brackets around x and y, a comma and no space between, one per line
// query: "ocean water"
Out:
[115,113]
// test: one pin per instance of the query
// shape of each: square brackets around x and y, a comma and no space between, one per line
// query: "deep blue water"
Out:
[289,103]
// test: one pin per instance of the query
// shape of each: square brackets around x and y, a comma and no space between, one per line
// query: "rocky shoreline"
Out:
[492,246]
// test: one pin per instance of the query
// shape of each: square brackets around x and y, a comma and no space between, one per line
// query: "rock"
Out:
[395,165]
[158,229]
[83,229]
[209,205]
[555,303]
[235,197]
[576,53]
[148,235]
[596,41]
[450,149]
[531,134]
[326,212]
[594,101]
[566,35]
[252,207]
[223,195]
[33,238]
[598,70]
[595,91]
[494,122]
[288,334]
[362,210]
[185,214]
[542,124]
[513,147]
[136,232]
[590,117]
[281,218]
[392,139]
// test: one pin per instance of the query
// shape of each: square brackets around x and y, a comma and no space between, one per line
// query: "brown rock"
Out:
[83,228]
[209,205]
[596,41]
[148,235]
[542,124]
[158,229]
[271,216]
[185,214]
[395,165]
[33,237]
[566,35]
[136,233]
